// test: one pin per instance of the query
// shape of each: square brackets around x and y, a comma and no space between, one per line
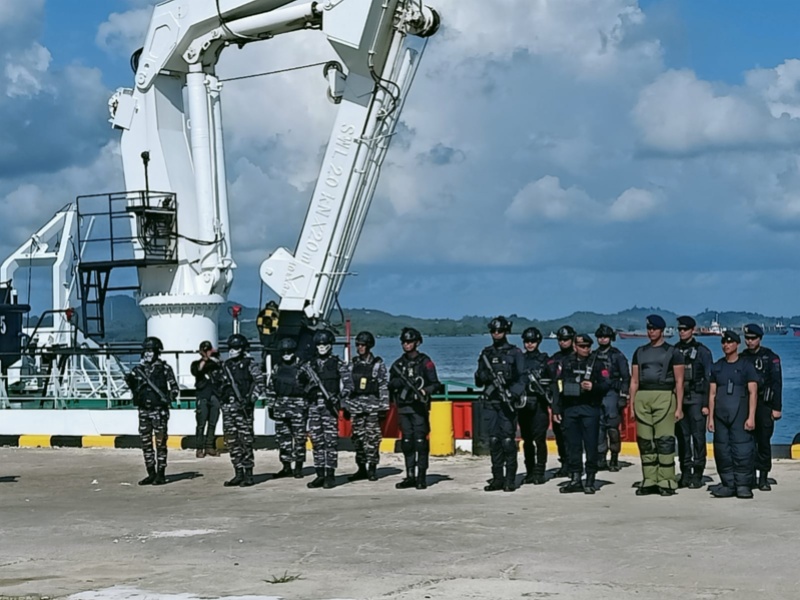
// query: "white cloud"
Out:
[633,204]
[124,32]
[780,88]
[546,199]
[25,72]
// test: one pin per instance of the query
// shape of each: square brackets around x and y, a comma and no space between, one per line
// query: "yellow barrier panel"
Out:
[98,441]
[174,442]
[34,441]
[443,439]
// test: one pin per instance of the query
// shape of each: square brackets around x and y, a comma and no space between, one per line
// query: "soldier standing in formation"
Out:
[328,384]
[565,335]
[240,384]
[657,398]
[534,416]
[366,405]
[615,400]
[584,382]
[207,408]
[691,430]
[770,399]
[154,388]
[733,396]
[412,381]
[287,407]
[500,368]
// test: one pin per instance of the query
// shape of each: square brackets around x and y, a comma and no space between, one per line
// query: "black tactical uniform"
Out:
[556,363]
[500,369]
[207,407]
[412,382]
[614,401]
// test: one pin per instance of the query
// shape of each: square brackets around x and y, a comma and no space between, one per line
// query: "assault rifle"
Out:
[499,383]
[537,387]
[415,387]
[140,377]
[316,382]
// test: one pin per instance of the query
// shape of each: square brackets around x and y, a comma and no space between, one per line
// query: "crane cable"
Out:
[319,64]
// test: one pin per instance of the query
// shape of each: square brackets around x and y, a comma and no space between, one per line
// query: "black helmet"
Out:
[366,338]
[605,331]
[238,342]
[323,337]
[565,332]
[531,334]
[205,346]
[287,345]
[409,334]
[500,324]
[152,343]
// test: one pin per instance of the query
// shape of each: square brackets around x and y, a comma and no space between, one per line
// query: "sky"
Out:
[552,156]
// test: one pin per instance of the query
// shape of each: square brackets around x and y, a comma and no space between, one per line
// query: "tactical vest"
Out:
[694,373]
[654,371]
[734,389]
[575,371]
[414,370]
[238,369]
[284,380]
[327,369]
[536,363]
[365,377]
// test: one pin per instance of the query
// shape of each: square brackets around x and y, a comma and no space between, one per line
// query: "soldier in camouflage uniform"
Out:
[287,407]
[328,383]
[368,402]
[240,384]
[154,387]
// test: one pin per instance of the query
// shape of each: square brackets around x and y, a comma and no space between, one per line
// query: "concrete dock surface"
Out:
[73,522]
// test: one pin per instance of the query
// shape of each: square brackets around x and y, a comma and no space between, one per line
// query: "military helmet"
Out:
[409,334]
[152,343]
[287,345]
[565,332]
[532,334]
[323,337]
[500,324]
[605,331]
[238,342]
[366,338]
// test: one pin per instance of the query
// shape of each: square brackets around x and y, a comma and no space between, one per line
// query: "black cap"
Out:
[731,336]
[205,346]
[753,329]
[687,321]
[583,338]
[565,332]
[656,322]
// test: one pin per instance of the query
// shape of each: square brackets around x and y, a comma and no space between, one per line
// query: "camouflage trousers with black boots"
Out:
[609,436]
[534,419]
[206,417]
[691,434]
[323,429]
[366,437]
[291,418]
[500,422]
[153,424]
[415,428]
[237,428]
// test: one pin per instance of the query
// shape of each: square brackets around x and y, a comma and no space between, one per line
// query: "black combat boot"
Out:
[510,484]
[538,475]
[763,481]
[697,480]
[298,469]
[588,487]
[161,478]
[602,463]
[495,485]
[744,491]
[237,479]
[318,480]
[360,474]
[286,471]
[371,474]
[409,482]
[723,491]
[151,476]
[247,478]
[562,471]
[575,484]
[686,478]
[422,480]
[330,479]
[613,464]
[530,477]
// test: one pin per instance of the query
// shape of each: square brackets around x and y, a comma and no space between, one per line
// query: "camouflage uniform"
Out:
[370,398]
[323,415]
[240,384]
[287,404]
[153,407]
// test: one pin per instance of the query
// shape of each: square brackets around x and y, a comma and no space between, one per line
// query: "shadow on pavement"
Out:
[9,478]
[174,478]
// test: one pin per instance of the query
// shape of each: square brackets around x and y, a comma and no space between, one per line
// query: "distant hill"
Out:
[125,322]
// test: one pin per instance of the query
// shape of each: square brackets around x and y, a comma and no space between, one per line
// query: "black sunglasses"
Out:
[683,328]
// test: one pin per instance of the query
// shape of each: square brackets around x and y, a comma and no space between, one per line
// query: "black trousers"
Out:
[206,415]
[734,447]
[561,443]
[581,423]
[765,427]
[691,434]
[610,419]
[500,422]
[416,449]
[534,419]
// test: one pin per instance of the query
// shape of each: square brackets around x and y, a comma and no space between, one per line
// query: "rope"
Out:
[319,64]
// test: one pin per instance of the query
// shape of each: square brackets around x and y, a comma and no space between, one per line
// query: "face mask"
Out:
[323,349]
[149,356]
[234,353]
[287,357]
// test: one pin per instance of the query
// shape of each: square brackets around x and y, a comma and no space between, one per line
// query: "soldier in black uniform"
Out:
[328,384]
[770,399]
[207,408]
[733,395]
[534,417]
[154,388]
[615,400]
[565,335]
[412,382]
[500,368]
[584,383]
[691,430]
[240,384]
